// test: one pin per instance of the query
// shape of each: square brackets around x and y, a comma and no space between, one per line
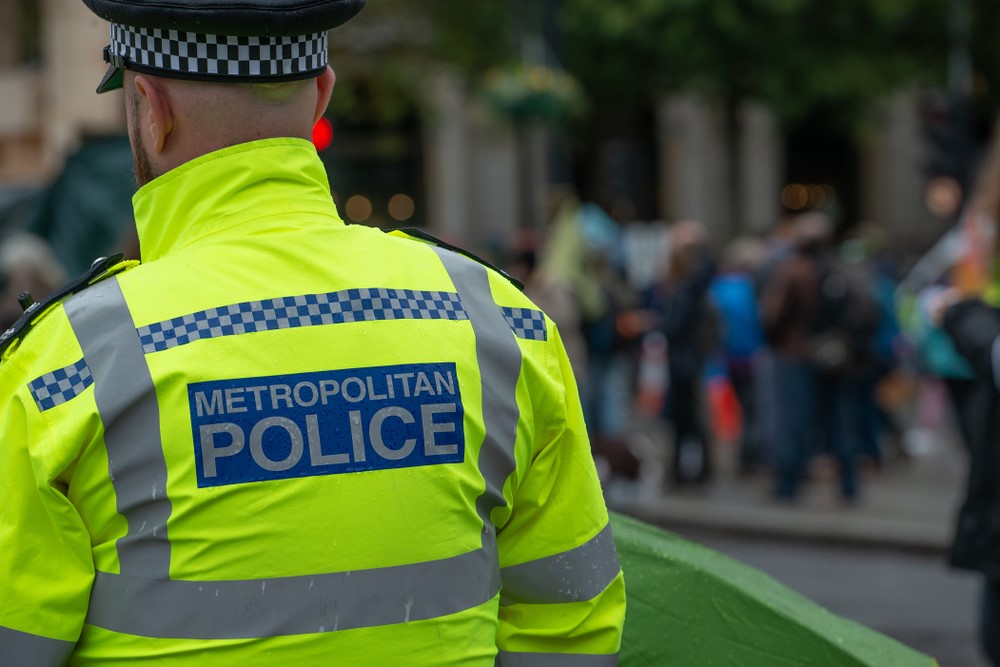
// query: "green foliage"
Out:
[532,93]
[472,35]
[386,52]
[386,96]
[794,55]
[986,60]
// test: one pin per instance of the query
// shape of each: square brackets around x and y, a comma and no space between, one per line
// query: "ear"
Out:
[324,86]
[161,116]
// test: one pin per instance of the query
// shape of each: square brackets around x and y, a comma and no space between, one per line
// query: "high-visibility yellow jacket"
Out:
[282,440]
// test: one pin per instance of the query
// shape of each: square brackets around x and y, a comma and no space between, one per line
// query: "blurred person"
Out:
[579,275]
[866,248]
[680,307]
[282,439]
[787,309]
[970,314]
[27,264]
[550,293]
[819,320]
[974,326]
[849,318]
[602,380]
[734,293]
[610,346]
[608,393]
[779,245]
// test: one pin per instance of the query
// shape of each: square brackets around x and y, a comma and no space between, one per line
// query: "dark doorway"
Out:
[822,170]
[616,162]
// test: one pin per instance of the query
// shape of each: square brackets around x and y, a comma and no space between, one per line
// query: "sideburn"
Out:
[142,167]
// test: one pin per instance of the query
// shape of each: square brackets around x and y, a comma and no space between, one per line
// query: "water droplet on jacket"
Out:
[408,605]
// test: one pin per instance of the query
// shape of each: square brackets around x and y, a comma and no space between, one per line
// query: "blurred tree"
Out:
[472,36]
[793,55]
[398,40]
[798,57]
[985,48]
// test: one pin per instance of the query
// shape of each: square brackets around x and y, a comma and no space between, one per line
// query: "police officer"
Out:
[280,439]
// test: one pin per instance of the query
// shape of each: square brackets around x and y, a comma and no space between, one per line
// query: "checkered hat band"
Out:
[210,56]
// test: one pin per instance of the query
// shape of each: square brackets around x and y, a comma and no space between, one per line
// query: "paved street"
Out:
[881,561]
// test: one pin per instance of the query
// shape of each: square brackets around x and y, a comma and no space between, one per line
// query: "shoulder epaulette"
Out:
[100,269]
[421,235]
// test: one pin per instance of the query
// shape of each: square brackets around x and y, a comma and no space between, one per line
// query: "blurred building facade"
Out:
[463,167]
[47,100]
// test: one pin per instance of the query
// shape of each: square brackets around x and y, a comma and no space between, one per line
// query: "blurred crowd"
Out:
[796,354]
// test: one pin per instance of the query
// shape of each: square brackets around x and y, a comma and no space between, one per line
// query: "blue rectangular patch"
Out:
[326,423]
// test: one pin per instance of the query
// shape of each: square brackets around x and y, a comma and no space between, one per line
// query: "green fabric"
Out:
[688,605]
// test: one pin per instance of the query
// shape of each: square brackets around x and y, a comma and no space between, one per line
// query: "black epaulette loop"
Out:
[433,240]
[27,320]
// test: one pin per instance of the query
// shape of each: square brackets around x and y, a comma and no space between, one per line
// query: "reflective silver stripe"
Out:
[21,648]
[507,659]
[499,360]
[579,574]
[126,401]
[292,605]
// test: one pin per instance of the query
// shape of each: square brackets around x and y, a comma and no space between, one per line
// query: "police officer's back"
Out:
[283,440]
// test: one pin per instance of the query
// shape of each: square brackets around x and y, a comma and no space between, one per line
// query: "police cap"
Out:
[235,41]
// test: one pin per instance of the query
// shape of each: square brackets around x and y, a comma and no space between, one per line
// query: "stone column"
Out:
[446,139]
[693,164]
[73,40]
[493,179]
[762,168]
[894,174]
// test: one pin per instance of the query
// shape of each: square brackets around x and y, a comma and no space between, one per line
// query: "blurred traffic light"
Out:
[947,126]
[322,134]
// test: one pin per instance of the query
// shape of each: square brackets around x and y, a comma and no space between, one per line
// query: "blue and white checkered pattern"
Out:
[355,305]
[526,323]
[217,56]
[59,386]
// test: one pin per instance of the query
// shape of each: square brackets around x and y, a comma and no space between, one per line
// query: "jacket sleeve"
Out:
[45,560]
[562,599]
[974,327]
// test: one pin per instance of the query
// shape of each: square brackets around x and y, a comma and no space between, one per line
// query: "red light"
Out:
[322,134]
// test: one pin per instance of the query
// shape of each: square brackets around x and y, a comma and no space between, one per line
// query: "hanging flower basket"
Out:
[522,93]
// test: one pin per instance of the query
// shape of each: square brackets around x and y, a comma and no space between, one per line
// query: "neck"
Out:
[230,187]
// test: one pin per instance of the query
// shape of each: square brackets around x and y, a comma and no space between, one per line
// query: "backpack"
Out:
[846,319]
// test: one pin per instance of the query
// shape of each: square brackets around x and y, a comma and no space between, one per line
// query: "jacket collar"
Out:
[229,188]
